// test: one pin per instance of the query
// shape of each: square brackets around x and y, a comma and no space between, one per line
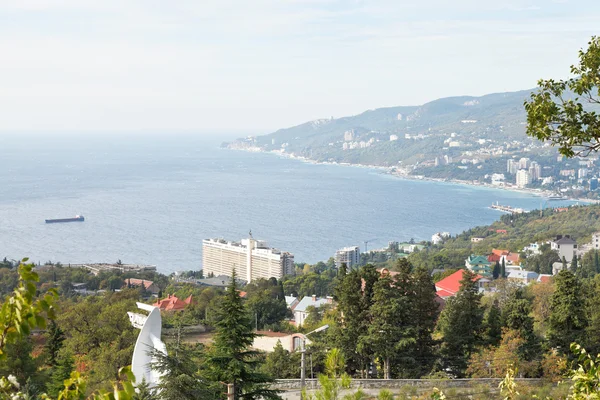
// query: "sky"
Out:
[256,66]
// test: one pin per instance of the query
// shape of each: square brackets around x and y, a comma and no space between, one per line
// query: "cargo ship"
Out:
[77,218]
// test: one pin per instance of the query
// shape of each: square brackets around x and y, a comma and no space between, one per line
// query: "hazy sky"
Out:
[263,64]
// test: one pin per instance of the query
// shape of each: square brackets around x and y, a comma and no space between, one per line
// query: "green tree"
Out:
[562,113]
[517,315]
[460,325]
[351,321]
[574,266]
[230,359]
[60,372]
[281,364]
[496,270]
[503,269]
[492,325]
[181,378]
[387,329]
[567,320]
[144,392]
[425,311]
[54,342]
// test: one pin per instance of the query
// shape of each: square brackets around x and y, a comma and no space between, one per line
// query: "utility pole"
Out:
[230,392]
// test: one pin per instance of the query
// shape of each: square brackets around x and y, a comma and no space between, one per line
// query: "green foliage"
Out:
[281,364]
[181,378]
[23,311]
[230,359]
[563,112]
[567,322]
[460,325]
[266,302]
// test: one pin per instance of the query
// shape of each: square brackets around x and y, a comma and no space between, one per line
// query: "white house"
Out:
[267,341]
[301,309]
[565,246]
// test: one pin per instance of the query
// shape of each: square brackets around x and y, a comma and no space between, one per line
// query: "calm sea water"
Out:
[151,199]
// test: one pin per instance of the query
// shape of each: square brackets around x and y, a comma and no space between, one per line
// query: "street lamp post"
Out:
[303,353]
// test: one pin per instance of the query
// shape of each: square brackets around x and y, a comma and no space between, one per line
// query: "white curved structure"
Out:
[147,341]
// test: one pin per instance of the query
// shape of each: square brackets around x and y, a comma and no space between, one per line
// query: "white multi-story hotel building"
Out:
[348,255]
[251,259]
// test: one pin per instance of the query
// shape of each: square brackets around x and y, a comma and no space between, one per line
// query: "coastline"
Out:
[402,173]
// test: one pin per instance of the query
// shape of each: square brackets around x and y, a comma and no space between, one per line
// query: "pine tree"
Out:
[54,342]
[460,324]
[59,372]
[351,321]
[503,269]
[516,315]
[386,331]
[567,320]
[144,392]
[425,310]
[181,378]
[492,325]
[230,359]
[496,271]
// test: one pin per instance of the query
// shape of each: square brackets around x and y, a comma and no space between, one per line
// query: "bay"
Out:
[152,198]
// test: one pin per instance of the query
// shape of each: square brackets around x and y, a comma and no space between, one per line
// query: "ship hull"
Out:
[61,220]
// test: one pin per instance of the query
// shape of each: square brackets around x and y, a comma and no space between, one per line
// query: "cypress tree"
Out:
[574,266]
[492,325]
[460,325]
[351,320]
[567,320]
[425,311]
[230,359]
[597,262]
[496,270]
[54,342]
[503,269]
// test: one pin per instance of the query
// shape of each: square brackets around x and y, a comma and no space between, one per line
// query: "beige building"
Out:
[251,259]
[523,178]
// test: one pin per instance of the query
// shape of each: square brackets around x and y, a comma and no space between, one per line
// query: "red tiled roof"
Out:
[451,284]
[545,278]
[138,282]
[494,258]
[172,303]
[513,257]
[500,252]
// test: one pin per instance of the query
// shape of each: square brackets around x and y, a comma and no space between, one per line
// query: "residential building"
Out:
[267,341]
[544,278]
[535,171]
[172,303]
[349,135]
[524,163]
[582,173]
[450,285]
[533,248]
[291,302]
[393,138]
[523,178]
[508,257]
[146,284]
[479,265]
[476,239]
[565,246]
[512,166]
[348,255]
[302,308]
[250,258]
[596,241]
[522,277]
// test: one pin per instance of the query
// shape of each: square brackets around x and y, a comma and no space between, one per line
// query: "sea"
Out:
[152,198]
